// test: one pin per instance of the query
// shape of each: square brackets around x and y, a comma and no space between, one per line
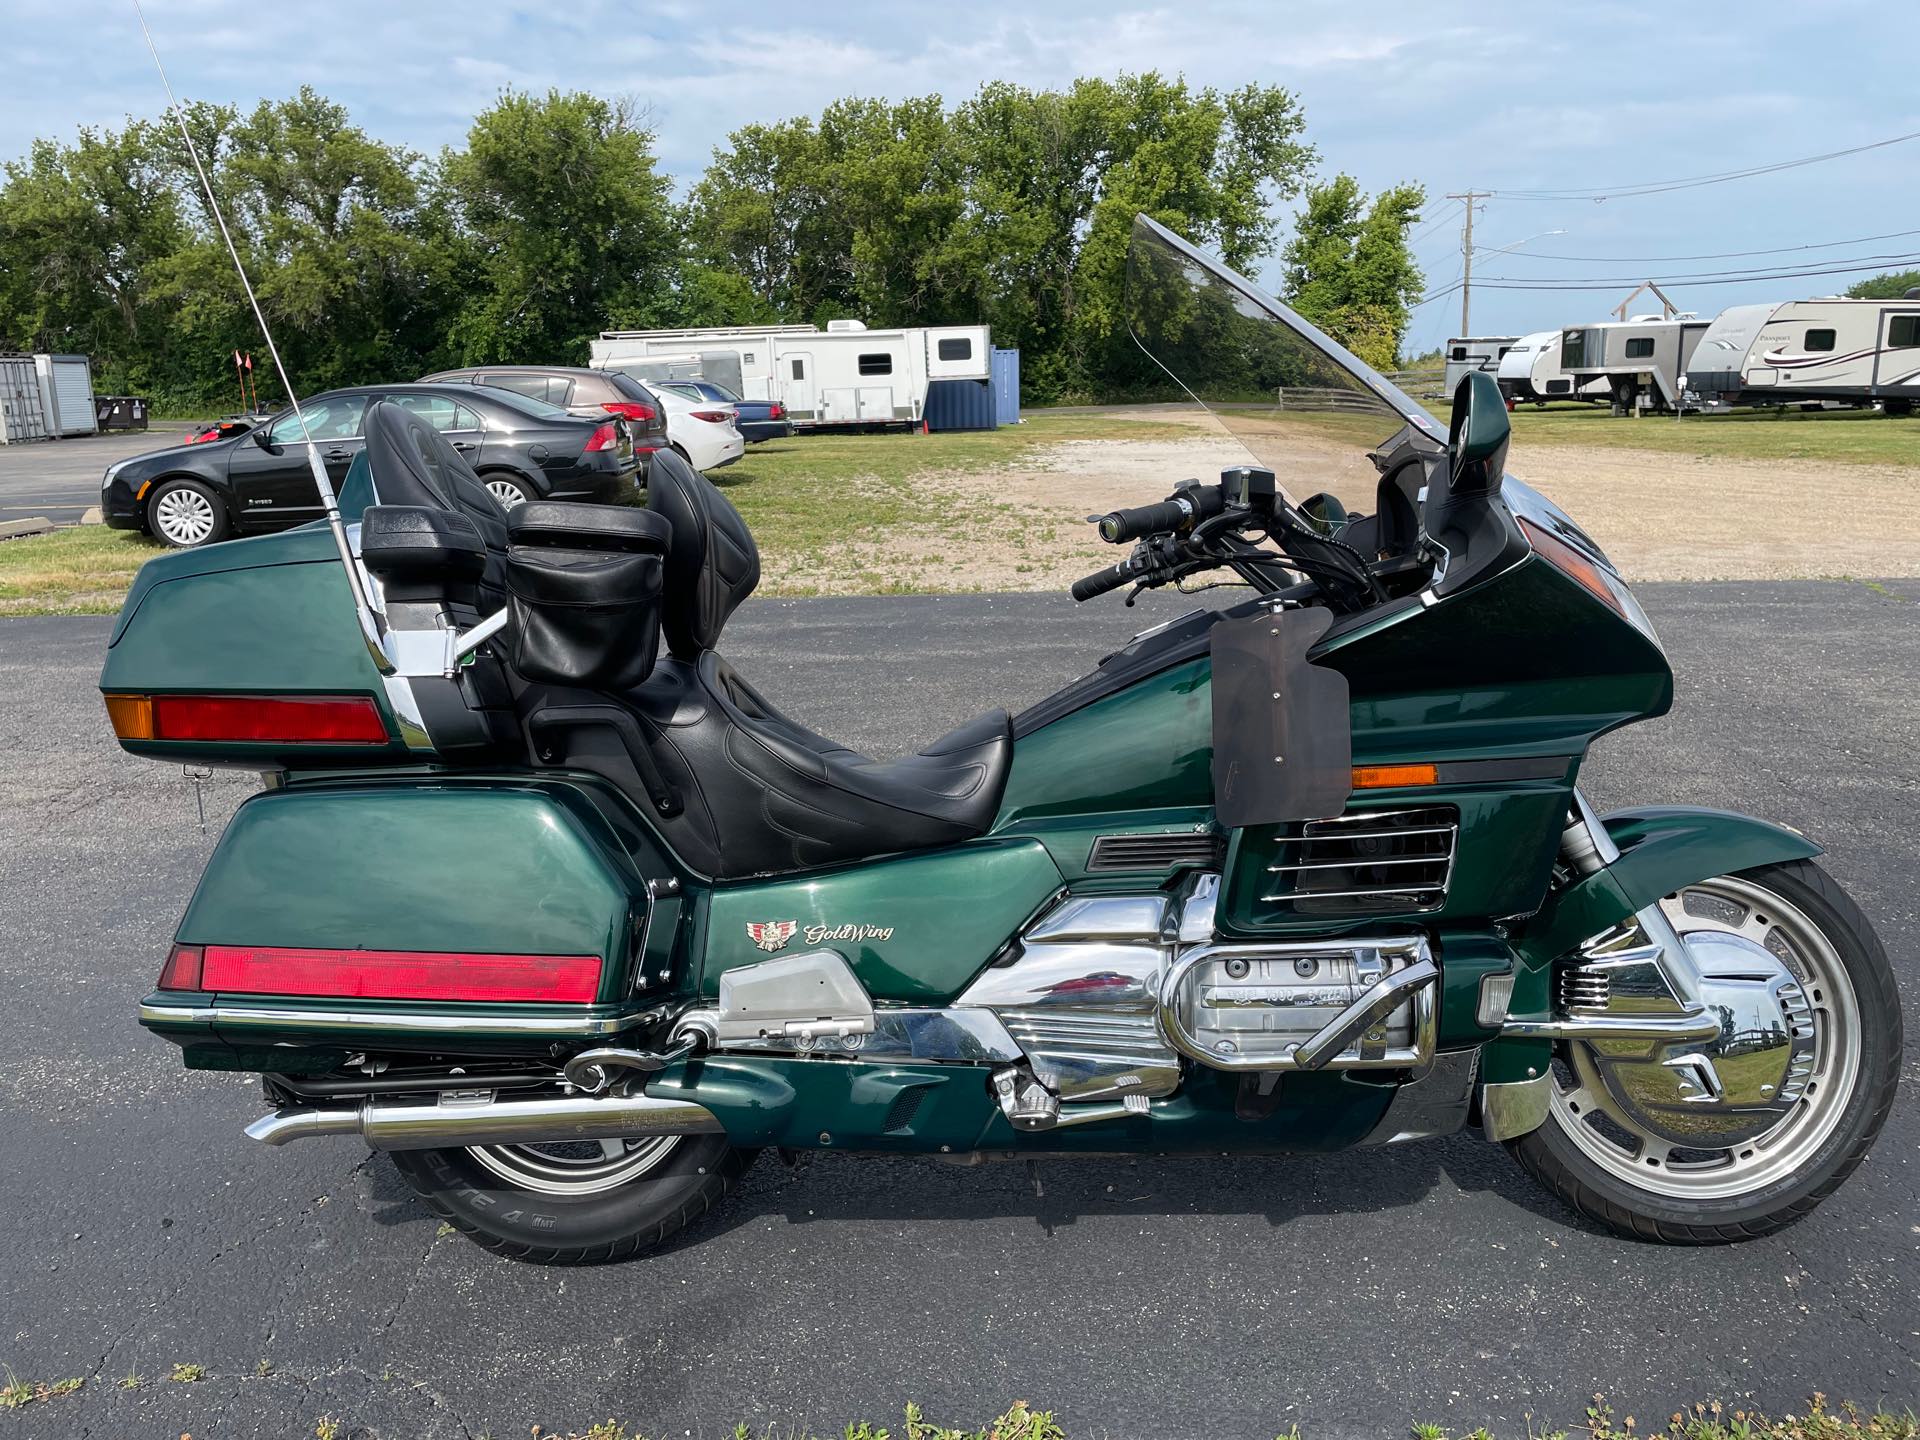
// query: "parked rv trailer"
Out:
[1836,349]
[1531,371]
[843,375]
[1643,361]
[1466,354]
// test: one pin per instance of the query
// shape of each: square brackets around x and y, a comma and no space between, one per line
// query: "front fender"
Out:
[1662,848]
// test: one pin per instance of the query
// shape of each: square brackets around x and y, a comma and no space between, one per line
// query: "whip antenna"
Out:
[363,607]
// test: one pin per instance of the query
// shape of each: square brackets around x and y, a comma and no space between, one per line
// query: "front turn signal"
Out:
[1388,777]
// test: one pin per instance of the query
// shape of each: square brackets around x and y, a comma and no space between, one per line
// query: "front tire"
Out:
[1595,1153]
[576,1203]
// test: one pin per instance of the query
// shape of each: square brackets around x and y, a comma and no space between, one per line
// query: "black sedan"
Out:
[524,449]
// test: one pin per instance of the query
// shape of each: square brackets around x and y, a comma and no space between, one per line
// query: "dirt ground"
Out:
[1659,516]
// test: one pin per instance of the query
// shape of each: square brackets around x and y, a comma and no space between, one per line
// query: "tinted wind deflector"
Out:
[1297,400]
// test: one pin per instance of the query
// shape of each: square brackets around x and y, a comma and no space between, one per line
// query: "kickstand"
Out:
[1033,1177]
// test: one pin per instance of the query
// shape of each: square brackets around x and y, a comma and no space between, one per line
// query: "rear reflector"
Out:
[244,719]
[183,968]
[1386,777]
[396,974]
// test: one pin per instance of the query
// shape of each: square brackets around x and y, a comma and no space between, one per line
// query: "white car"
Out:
[703,431]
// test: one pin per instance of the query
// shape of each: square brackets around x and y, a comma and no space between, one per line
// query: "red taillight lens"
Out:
[712,417]
[183,969]
[398,974]
[630,410]
[777,411]
[273,719]
[604,437]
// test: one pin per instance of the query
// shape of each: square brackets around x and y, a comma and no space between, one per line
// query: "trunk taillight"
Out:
[248,719]
[712,417]
[777,411]
[630,410]
[604,437]
[382,974]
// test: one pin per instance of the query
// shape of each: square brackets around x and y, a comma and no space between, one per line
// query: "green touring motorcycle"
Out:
[545,899]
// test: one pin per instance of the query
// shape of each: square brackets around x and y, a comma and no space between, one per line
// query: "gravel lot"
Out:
[1139,1298]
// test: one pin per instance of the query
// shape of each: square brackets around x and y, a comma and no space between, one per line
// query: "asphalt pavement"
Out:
[60,479]
[1222,1297]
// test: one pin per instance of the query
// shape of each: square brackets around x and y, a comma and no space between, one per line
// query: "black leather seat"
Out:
[411,463]
[760,792]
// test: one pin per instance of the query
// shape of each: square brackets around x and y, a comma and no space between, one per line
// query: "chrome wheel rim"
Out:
[576,1167]
[183,516]
[1610,1135]
[507,493]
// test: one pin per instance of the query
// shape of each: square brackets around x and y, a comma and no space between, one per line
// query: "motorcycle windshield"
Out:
[1301,403]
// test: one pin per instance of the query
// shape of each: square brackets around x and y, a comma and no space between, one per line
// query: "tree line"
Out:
[555,220]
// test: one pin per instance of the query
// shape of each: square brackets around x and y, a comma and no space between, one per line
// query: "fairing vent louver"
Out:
[1156,852]
[1375,862]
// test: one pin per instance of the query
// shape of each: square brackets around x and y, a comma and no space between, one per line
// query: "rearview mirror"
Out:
[1478,436]
[262,436]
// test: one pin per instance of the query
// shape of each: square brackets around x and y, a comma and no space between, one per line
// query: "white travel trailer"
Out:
[1531,370]
[843,375]
[1642,361]
[1468,353]
[1805,351]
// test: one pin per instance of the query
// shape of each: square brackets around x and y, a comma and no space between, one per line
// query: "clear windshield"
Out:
[1299,402]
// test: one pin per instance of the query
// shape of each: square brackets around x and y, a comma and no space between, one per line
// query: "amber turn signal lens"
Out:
[131,715]
[1386,777]
[1571,563]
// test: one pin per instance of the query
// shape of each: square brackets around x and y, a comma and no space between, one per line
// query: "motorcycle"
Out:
[545,900]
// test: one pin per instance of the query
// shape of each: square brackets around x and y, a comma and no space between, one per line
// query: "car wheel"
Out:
[186,514]
[680,450]
[508,492]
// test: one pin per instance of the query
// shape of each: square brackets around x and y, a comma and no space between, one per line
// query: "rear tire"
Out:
[1857,1008]
[543,1205]
[508,491]
[185,515]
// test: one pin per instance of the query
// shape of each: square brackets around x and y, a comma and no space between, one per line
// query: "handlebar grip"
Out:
[1180,512]
[1101,581]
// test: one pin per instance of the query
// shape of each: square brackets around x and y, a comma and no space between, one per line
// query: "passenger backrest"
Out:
[411,463]
[712,563]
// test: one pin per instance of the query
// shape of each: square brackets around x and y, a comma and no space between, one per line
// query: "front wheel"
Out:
[1745,1134]
[575,1202]
[186,514]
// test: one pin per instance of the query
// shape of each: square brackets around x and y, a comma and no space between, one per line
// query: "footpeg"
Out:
[592,1071]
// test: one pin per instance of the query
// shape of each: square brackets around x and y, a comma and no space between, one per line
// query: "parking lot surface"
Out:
[1137,1298]
[60,479]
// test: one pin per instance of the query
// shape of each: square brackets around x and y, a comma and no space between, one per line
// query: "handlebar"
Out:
[1181,512]
[1101,581]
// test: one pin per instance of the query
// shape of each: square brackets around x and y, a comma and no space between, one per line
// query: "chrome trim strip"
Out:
[409,1022]
[1693,1024]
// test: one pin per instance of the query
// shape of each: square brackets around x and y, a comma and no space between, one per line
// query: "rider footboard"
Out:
[447,917]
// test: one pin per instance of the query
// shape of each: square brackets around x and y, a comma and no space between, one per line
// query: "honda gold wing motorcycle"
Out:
[543,898]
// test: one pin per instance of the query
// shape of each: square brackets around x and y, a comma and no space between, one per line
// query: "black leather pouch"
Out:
[584,588]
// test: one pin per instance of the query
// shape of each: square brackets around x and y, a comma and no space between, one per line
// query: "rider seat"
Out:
[759,792]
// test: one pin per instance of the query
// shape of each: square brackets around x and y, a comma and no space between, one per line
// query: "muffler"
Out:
[478,1118]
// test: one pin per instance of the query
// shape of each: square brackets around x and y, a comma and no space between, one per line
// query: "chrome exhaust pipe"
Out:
[467,1119]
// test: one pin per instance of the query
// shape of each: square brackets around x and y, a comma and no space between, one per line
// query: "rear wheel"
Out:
[1753,1130]
[185,514]
[575,1202]
[508,491]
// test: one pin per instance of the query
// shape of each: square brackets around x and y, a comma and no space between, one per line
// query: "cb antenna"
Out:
[363,606]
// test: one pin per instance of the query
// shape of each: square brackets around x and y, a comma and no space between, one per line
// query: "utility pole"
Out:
[1466,258]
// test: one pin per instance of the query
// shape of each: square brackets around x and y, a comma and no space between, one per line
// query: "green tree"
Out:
[1893,285]
[1349,268]
[569,226]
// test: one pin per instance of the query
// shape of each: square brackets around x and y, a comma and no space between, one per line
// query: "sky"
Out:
[1495,96]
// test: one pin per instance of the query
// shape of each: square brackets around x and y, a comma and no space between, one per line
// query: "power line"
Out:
[1660,187]
[1717,277]
[1720,255]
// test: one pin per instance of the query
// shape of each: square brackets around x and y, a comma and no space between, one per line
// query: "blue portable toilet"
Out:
[1005,383]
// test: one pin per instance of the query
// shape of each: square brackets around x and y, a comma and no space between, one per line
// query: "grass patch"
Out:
[17,1393]
[1853,437]
[83,570]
